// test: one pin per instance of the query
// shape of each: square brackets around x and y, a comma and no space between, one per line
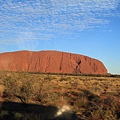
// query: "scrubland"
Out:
[88,97]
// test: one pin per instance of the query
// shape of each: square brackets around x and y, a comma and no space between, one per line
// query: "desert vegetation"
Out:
[89,97]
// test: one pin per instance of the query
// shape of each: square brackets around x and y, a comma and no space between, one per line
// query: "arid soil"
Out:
[89,97]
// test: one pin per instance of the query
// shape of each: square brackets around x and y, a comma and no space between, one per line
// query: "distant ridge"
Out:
[50,62]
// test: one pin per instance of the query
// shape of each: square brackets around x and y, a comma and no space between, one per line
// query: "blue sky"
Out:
[88,27]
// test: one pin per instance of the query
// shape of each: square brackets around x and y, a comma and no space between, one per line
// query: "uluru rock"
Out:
[50,62]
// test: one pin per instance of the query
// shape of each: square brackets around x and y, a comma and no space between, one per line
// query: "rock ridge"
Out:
[50,62]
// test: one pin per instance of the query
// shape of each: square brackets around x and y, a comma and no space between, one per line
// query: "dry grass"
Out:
[94,98]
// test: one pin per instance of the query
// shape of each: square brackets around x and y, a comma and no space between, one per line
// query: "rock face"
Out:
[50,61]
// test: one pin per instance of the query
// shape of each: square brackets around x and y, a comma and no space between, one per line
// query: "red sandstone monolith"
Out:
[50,62]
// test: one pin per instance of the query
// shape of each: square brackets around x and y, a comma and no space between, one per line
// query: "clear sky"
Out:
[88,27]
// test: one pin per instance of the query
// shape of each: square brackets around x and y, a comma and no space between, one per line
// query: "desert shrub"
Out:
[22,87]
[103,114]
[96,90]
[47,78]
[27,91]
[63,79]
[81,102]
[11,86]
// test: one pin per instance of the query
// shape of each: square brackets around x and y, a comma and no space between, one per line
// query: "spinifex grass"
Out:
[89,97]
